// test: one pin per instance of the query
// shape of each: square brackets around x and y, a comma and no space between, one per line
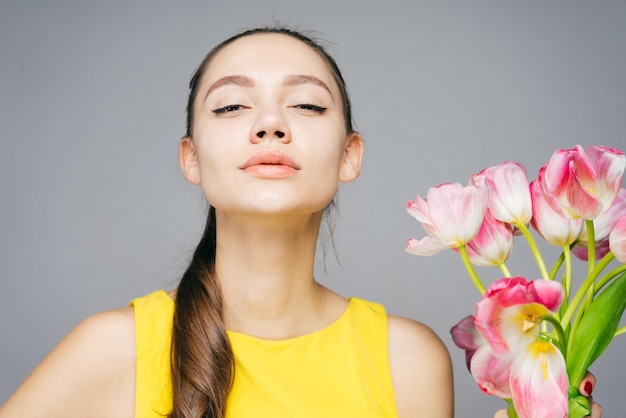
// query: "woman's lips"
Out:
[270,163]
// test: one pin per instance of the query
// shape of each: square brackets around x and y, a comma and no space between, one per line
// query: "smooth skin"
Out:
[265,93]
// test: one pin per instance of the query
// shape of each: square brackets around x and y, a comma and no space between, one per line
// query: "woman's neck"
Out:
[265,269]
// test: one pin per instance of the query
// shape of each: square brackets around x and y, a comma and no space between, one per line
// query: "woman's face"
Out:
[269,133]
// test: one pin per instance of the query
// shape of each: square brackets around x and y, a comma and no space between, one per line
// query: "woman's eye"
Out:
[228,109]
[311,107]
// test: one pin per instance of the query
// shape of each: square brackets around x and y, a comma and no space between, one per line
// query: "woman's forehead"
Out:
[262,54]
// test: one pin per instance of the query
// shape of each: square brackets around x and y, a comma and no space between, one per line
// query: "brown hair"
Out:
[202,359]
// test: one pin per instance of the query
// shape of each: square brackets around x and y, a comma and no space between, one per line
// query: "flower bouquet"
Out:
[531,342]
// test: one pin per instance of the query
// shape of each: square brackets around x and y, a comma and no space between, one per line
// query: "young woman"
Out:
[249,332]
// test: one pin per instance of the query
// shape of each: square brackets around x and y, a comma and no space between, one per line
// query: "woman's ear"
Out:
[189,161]
[352,156]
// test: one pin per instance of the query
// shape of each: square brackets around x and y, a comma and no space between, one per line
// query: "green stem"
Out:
[584,287]
[567,278]
[591,260]
[591,246]
[577,319]
[470,270]
[535,250]
[504,269]
[620,331]
[610,275]
[559,332]
[557,266]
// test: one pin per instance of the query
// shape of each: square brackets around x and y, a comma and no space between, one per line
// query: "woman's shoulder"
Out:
[105,336]
[408,331]
[109,333]
[421,370]
[90,372]
[415,344]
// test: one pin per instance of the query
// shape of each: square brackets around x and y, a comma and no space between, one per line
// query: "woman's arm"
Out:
[421,370]
[90,373]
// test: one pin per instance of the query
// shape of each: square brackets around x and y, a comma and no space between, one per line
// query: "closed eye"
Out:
[311,107]
[228,109]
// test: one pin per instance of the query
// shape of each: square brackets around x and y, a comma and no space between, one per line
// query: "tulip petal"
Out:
[580,201]
[539,382]
[609,165]
[604,222]
[418,208]
[548,293]
[554,228]
[617,240]
[493,244]
[581,250]
[466,337]
[457,211]
[491,373]
[426,246]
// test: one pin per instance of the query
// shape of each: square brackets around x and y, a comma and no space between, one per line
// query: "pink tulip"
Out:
[584,182]
[493,244]
[539,382]
[505,356]
[554,228]
[451,215]
[510,311]
[509,195]
[617,240]
[602,226]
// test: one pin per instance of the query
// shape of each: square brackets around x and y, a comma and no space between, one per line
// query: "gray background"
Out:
[94,210]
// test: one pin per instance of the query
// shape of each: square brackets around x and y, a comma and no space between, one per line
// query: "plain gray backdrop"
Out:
[94,209]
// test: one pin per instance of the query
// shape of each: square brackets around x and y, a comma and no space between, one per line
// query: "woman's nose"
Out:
[279,134]
[270,124]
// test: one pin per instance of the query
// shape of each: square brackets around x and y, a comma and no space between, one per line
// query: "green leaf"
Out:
[578,407]
[595,330]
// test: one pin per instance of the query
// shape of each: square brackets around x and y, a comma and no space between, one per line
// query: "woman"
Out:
[249,332]
[269,138]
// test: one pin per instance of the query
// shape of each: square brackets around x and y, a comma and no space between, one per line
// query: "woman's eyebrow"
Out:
[238,80]
[290,81]
[298,79]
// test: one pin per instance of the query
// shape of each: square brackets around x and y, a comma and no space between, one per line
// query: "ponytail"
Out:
[202,359]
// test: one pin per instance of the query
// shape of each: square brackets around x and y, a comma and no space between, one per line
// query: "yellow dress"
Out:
[340,371]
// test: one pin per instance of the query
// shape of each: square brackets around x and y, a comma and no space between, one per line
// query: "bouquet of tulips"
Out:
[531,342]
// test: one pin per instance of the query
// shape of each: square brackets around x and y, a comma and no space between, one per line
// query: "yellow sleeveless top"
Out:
[340,371]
